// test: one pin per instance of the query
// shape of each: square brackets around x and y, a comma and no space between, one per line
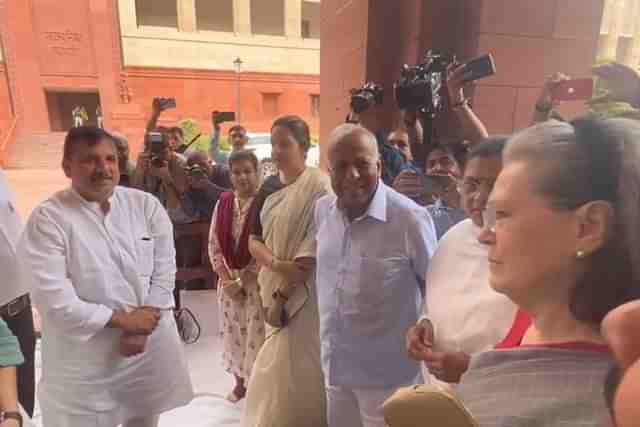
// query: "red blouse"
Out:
[521,324]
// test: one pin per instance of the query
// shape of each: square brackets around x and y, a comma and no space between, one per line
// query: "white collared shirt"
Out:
[370,273]
[10,228]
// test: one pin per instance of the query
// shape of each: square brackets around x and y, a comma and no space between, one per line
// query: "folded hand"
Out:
[132,345]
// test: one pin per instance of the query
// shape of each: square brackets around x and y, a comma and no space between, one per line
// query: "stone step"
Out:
[37,151]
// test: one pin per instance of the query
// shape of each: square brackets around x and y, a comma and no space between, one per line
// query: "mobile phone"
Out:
[573,90]
[479,68]
[166,103]
[224,116]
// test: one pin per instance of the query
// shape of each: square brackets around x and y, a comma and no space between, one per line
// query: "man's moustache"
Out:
[101,177]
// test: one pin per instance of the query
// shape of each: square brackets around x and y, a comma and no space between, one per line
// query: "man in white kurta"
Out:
[463,314]
[101,263]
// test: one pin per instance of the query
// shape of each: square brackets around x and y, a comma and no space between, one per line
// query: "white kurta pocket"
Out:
[144,256]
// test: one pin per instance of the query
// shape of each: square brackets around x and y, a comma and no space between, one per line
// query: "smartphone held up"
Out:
[573,90]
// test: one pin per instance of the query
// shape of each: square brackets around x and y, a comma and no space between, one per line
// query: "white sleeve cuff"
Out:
[96,323]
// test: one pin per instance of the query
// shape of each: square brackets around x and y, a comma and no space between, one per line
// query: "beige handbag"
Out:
[426,405]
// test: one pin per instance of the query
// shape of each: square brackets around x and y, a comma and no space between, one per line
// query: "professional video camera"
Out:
[363,98]
[155,144]
[420,85]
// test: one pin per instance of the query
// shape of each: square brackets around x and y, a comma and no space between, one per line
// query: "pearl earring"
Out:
[580,254]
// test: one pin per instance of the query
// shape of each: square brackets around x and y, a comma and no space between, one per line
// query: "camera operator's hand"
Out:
[156,107]
[409,118]
[216,119]
[546,100]
[455,84]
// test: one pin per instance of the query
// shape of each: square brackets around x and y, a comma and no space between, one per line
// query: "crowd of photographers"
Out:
[187,182]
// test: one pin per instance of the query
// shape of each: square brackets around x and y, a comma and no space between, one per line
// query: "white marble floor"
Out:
[211,383]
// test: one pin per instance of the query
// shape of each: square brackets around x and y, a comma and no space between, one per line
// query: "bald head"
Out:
[354,164]
[200,159]
[348,136]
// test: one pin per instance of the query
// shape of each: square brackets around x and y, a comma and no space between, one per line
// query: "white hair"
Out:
[341,132]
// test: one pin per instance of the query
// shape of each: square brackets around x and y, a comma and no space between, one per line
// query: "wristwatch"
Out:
[4,416]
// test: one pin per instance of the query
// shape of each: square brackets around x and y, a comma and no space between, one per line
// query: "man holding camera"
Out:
[237,137]
[175,135]
[161,172]
[364,103]
[203,189]
[100,261]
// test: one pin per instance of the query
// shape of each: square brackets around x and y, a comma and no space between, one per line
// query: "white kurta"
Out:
[81,265]
[466,313]
[10,229]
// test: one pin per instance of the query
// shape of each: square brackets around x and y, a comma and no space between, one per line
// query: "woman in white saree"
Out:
[286,388]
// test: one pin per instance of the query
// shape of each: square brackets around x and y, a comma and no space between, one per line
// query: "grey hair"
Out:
[584,161]
[347,129]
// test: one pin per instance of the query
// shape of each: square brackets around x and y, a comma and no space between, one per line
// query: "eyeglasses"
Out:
[489,219]
[442,162]
[472,186]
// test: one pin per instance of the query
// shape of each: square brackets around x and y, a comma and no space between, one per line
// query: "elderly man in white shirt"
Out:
[373,251]
[101,263]
[463,314]
[15,305]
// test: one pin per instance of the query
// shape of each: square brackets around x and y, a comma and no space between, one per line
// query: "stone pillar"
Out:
[293,18]
[127,15]
[608,47]
[633,59]
[343,59]
[187,22]
[242,17]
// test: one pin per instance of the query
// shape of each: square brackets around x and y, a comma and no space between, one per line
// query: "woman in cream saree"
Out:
[286,388]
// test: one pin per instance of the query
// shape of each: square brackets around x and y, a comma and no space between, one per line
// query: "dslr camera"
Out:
[363,98]
[155,144]
[419,87]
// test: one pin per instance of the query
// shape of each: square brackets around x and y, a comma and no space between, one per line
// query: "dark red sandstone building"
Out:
[122,53]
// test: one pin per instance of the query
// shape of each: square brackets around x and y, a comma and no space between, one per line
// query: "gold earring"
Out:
[580,254]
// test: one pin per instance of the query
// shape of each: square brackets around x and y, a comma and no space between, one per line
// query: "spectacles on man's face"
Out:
[472,186]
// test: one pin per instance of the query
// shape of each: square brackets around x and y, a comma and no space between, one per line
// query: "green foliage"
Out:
[191,129]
